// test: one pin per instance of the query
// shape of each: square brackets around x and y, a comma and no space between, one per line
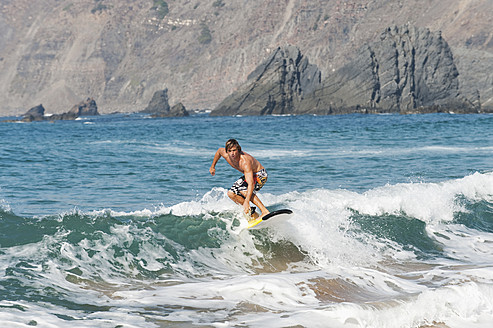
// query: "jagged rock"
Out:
[84,108]
[475,78]
[37,111]
[63,116]
[179,110]
[159,103]
[409,70]
[34,114]
[275,87]
[31,118]
[159,106]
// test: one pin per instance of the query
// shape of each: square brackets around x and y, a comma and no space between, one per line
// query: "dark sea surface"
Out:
[115,221]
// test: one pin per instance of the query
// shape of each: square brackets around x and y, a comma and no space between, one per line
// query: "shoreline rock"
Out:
[408,70]
[87,107]
[159,106]
[276,86]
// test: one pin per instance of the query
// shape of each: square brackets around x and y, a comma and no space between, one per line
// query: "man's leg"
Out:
[260,205]
[254,199]
[239,199]
[236,198]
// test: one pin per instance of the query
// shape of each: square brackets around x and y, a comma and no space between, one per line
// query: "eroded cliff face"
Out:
[276,86]
[56,52]
[407,70]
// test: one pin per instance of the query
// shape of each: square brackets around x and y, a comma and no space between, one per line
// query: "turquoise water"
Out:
[115,220]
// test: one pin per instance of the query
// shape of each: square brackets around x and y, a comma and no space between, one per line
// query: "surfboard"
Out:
[270,219]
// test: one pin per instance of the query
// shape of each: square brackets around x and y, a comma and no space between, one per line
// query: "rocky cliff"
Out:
[277,86]
[56,52]
[407,70]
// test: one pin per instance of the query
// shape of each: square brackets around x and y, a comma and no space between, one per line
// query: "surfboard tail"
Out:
[274,213]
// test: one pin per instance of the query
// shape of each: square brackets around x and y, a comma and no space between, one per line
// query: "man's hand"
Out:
[246,207]
[219,153]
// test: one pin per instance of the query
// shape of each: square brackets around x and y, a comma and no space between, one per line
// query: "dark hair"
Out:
[231,143]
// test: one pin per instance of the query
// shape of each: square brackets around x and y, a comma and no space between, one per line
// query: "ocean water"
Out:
[115,221]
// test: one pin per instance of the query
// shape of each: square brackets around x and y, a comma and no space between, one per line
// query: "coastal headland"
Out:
[252,58]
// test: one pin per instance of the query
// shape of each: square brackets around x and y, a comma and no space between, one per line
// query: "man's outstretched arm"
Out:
[219,153]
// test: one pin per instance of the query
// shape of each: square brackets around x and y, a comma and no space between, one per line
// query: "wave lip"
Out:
[429,202]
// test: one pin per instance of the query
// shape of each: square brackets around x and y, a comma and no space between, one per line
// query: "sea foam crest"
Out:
[323,221]
[4,206]
[428,202]
[322,224]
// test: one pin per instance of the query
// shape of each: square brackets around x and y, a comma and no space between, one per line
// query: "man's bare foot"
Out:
[263,214]
[252,216]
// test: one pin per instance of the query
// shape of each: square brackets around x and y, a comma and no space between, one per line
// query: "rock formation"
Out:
[475,78]
[84,108]
[34,114]
[277,86]
[178,110]
[159,103]
[408,70]
[36,111]
[159,106]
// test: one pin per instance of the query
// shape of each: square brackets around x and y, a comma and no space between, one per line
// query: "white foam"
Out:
[464,244]
[322,218]
[429,202]
[5,206]
[222,286]
[44,315]
[281,153]
[280,300]
[465,305]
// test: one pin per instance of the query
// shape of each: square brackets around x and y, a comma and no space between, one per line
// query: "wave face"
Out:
[114,221]
[395,256]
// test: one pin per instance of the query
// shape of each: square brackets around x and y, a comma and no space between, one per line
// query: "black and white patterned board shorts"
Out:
[241,185]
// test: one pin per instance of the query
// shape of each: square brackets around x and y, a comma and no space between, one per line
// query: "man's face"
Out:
[233,153]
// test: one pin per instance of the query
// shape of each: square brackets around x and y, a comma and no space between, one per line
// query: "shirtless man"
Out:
[244,189]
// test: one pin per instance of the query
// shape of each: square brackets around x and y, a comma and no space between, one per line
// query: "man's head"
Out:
[233,149]
[231,143]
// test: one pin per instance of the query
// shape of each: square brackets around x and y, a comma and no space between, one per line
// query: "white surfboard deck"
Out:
[271,219]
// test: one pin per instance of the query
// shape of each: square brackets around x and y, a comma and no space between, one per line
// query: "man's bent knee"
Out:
[233,195]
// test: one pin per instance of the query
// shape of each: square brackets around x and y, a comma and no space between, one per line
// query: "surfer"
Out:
[244,189]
